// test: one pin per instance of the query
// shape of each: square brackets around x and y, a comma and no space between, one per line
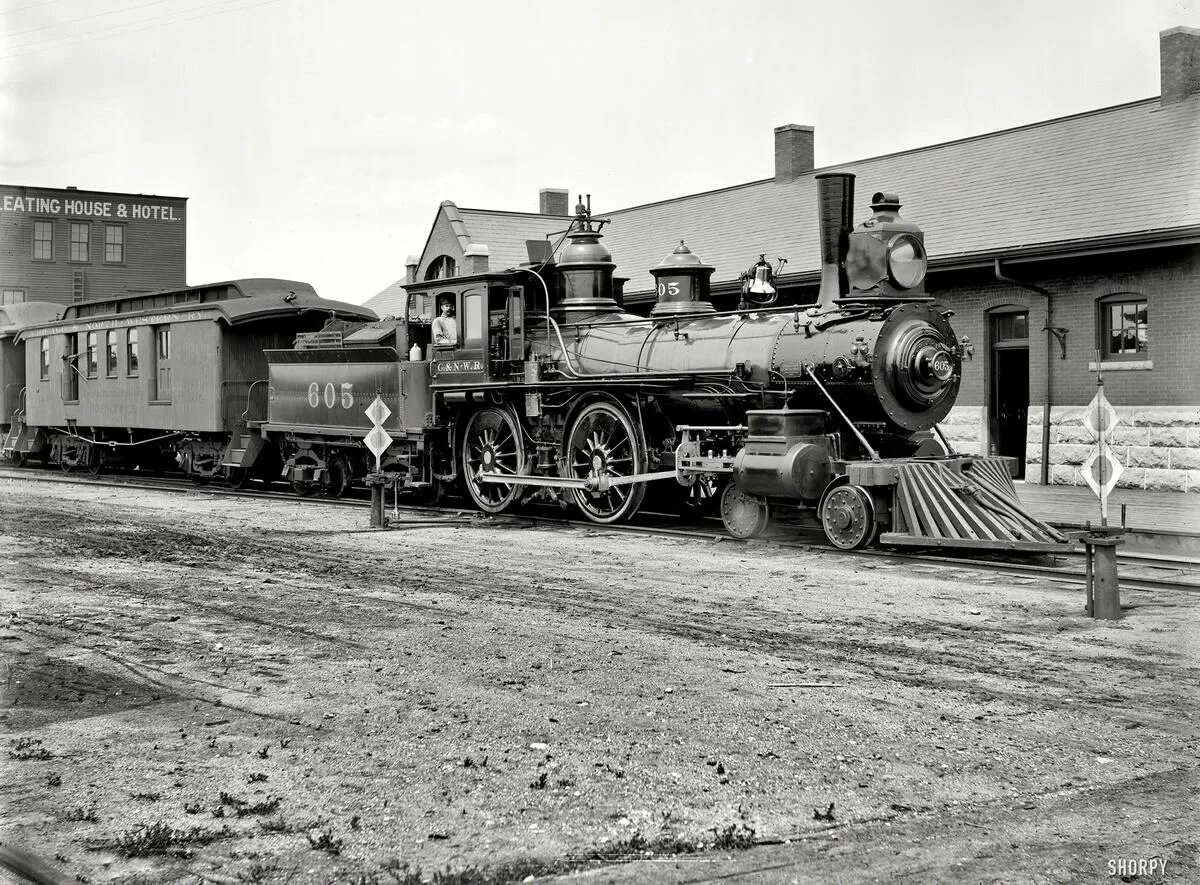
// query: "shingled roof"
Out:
[505,233]
[1109,174]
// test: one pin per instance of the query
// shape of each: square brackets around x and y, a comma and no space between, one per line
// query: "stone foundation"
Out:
[1159,447]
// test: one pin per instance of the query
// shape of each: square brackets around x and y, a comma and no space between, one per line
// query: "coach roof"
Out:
[231,301]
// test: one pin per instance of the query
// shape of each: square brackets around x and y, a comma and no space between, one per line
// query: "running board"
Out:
[597,484]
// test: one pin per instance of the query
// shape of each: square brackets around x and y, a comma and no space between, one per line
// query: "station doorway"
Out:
[1008,396]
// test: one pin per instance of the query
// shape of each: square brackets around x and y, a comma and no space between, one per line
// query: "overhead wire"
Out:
[100,34]
[83,18]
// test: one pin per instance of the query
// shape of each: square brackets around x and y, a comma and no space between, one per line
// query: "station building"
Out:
[1065,247]
[65,245]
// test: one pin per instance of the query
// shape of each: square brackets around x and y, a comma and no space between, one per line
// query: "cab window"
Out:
[471,330]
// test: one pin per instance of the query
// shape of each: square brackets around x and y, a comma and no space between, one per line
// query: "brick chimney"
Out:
[553,201]
[475,257]
[1179,63]
[411,263]
[793,151]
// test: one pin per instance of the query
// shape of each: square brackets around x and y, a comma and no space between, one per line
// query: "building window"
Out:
[81,237]
[1124,327]
[114,243]
[110,353]
[441,268]
[43,240]
[93,358]
[163,337]
[12,296]
[131,352]
[44,362]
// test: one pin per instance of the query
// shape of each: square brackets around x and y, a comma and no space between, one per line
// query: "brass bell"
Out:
[761,284]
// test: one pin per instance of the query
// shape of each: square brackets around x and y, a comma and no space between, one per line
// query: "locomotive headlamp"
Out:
[885,255]
[906,261]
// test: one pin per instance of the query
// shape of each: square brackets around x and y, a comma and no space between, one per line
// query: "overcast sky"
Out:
[316,138]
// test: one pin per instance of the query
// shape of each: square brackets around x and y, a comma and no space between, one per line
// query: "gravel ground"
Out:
[219,689]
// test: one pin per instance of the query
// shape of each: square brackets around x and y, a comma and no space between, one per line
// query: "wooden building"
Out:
[64,245]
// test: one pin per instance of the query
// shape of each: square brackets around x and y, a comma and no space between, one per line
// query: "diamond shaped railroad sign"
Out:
[377,439]
[378,411]
[1101,471]
[1100,417]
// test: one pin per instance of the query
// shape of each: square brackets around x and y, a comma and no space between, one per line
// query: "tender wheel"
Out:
[303,488]
[848,517]
[237,477]
[337,477]
[604,441]
[18,459]
[745,516]
[491,446]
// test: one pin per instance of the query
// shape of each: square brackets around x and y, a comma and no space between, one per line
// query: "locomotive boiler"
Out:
[550,389]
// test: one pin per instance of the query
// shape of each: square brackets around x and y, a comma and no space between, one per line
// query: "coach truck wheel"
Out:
[18,458]
[492,447]
[237,477]
[848,517]
[745,516]
[605,442]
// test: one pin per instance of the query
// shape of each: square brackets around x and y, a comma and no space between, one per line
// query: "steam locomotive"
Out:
[549,389]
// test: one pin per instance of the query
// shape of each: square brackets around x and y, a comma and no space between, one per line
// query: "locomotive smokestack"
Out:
[835,209]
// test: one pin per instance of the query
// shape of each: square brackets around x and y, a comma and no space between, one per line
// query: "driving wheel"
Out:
[604,441]
[491,446]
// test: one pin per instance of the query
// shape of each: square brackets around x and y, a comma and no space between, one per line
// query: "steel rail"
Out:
[1016,569]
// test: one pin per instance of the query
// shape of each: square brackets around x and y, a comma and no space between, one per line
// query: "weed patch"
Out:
[158,838]
[29,750]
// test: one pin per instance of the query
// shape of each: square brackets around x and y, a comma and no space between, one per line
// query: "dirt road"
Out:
[265,691]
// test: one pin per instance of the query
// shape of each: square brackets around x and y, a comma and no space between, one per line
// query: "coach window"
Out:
[93,358]
[12,296]
[114,244]
[81,241]
[43,241]
[110,353]
[1124,327]
[44,361]
[131,352]
[70,371]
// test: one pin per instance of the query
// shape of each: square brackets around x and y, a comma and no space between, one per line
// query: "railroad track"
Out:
[1139,571]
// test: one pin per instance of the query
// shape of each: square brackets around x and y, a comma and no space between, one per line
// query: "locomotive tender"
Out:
[550,389]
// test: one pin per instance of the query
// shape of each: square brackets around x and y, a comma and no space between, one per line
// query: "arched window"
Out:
[1123,326]
[441,268]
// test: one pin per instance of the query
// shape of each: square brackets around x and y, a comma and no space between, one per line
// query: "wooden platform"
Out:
[1150,512]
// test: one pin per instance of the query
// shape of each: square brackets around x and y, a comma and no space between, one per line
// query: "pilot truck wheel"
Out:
[604,441]
[848,517]
[491,446]
[745,516]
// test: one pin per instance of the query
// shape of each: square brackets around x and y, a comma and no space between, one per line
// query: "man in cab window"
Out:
[445,327]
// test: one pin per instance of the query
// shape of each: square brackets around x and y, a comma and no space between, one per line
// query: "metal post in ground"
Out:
[376,482]
[1103,588]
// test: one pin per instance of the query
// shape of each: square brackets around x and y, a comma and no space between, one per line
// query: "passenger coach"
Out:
[141,380]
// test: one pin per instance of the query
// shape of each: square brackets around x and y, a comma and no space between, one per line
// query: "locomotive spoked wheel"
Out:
[492,446]
[848,517]
[745,516]
[604,442]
